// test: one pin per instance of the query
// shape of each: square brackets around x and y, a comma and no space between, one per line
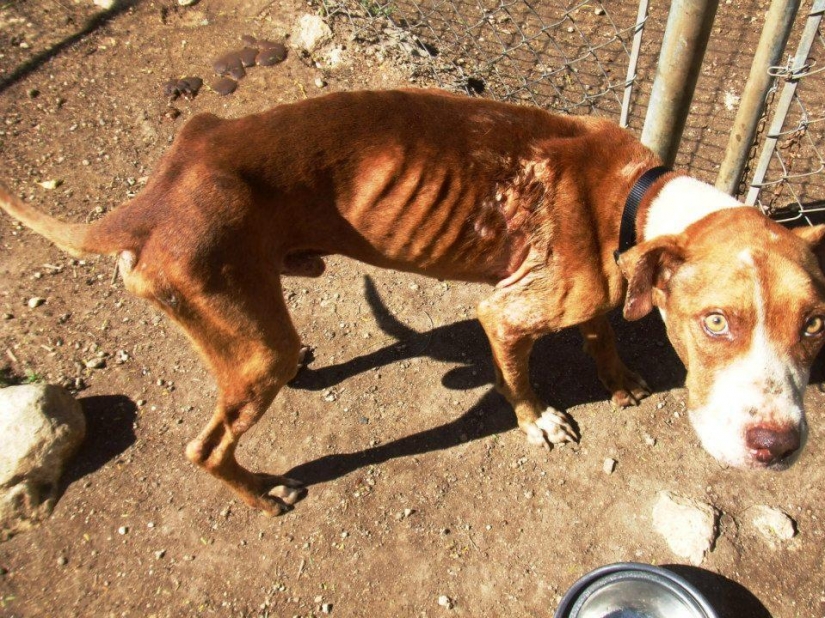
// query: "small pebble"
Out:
[445,601]
[326,608]
[95,363]
[225,86]
[51,184]
[187,2]
[62,561]
[320,83]
[123,530]
[160,554]
[609,465]
[35,302]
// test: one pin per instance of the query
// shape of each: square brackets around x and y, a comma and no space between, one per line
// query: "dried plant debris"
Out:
[187,87]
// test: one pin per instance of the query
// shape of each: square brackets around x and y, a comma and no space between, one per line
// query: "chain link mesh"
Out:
[566,56]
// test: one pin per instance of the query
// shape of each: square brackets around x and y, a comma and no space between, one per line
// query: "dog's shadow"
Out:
[109,432]
[563,375]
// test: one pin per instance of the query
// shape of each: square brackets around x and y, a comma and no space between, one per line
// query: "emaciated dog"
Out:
[473,190]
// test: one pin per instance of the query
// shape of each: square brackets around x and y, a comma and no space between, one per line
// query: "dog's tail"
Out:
[77,239]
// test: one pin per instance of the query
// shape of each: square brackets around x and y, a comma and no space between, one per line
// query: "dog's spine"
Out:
[77,239]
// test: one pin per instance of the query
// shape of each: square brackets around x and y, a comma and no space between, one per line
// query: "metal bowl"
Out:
[632,590]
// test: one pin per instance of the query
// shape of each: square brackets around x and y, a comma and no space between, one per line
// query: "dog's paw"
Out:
[631,390]
[278,495]
[305,356]
[552,427]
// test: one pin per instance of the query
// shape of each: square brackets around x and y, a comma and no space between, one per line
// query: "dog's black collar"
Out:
[627,232]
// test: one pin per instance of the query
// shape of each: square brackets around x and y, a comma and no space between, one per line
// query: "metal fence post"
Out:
[798,69]
[641,18]
[775,33]
[683,48]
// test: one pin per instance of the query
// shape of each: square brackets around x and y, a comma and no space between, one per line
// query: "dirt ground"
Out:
[419,483]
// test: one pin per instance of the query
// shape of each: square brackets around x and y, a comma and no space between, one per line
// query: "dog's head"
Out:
[743,300]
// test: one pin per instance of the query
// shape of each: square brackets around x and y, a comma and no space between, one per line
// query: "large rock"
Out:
[41,427]
[310,33]
[688,526]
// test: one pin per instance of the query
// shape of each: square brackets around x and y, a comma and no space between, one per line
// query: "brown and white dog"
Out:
[474,190]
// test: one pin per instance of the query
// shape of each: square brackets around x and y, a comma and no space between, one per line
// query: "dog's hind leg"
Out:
[626,387]
[242,328]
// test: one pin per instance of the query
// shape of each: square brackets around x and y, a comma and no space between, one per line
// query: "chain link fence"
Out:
[574,57]
[788,177]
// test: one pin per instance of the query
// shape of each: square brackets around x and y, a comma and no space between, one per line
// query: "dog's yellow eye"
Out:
[814,326]
[716,324]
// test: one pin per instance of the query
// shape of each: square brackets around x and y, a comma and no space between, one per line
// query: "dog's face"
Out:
[743,300]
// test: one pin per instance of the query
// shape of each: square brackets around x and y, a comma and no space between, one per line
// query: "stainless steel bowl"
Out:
[632,590]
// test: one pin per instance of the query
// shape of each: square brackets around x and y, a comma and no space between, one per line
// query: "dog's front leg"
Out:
[626,387]
[513,323]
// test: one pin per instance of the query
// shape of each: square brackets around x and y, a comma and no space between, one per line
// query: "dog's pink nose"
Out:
[771,445]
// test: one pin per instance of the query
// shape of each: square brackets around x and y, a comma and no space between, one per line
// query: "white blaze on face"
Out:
[763,386]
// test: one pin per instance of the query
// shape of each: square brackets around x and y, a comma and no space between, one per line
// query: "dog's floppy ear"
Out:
[814,235]
[648,267]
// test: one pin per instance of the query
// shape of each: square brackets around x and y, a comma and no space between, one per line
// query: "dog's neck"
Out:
[677,203]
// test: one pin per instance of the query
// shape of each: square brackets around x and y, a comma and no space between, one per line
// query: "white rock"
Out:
[688,526]
[609,465]
[42,426]
[334,58]
[105,4]
[35,302]
[310,33]
[445,601]
[773,523]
